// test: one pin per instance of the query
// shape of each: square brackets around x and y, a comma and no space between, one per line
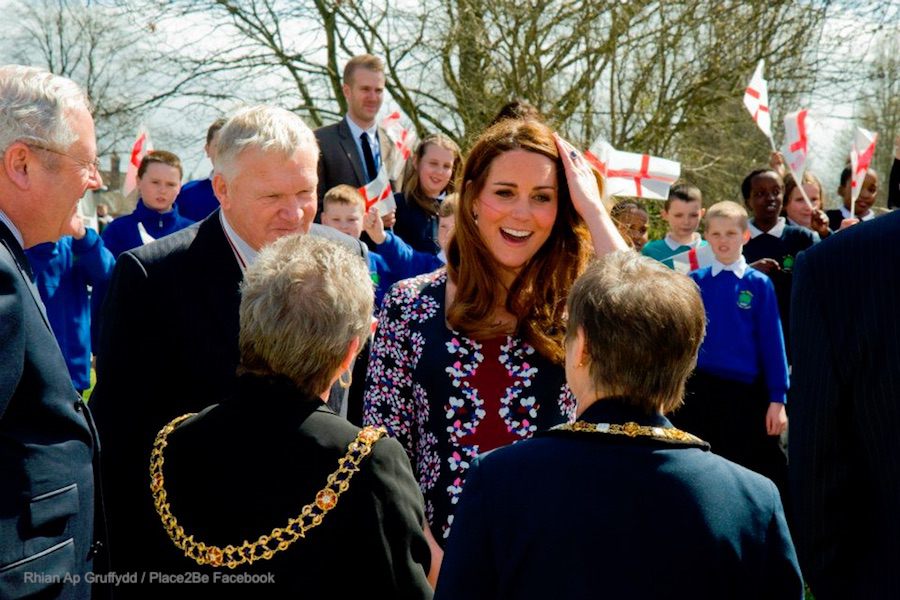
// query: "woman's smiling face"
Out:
[517,207]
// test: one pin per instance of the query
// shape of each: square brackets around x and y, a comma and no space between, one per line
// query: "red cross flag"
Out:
[796,142]
[693,259]
[378,193]
[756,99]
[630,174]
[404,138]
[142,145]
[861,154]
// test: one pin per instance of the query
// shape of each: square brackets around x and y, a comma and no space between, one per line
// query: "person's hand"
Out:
[776,161]
[76,227]
[776,419]
[437,557]
[766,265]
[389,219]
[848,223]
[373,225]
[587,201]
[819,223]
[582,182]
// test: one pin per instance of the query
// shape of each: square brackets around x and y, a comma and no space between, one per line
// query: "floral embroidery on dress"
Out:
[422,386]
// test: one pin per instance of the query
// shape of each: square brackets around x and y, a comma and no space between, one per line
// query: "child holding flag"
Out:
[682,210]
[773,245]
[344,209]
[840,218]
[736,397]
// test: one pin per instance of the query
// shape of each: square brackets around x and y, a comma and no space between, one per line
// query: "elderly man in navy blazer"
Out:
[620,504]
[47,441]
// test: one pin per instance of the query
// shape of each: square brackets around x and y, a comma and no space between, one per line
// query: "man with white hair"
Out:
[169,336]
[47,441]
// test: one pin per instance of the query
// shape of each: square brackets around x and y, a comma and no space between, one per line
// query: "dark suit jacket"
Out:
[243,467]
[586,515]
[845,412]
[168,345]
[340,162]
[47,447]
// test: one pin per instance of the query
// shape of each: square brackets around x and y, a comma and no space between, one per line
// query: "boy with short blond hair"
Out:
[344,208]
[736,397]
[682,210]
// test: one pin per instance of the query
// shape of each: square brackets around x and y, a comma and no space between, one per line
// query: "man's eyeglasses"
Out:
[93,166]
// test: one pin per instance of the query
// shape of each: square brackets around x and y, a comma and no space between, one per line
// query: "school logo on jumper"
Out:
[745,298]
[787,263]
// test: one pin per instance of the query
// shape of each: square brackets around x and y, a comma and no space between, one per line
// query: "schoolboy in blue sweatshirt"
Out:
[158,181]
[403,260]
[343,208]
[63,270]
[736,397]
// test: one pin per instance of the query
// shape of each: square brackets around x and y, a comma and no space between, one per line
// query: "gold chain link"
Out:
[279,538]
[632,429]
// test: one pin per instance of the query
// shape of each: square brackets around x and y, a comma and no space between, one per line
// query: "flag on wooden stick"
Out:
[403,137]
[861,153]
[796,147]
[378,193]
[142,145]
[756,99]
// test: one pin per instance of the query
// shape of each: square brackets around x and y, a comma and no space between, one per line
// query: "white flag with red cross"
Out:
[378,193]
[861,153]
[796,142]
[693,259]
[403,137]
[756,99]
[142,145]
[630,174]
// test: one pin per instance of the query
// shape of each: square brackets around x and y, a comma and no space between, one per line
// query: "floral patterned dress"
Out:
[448,398]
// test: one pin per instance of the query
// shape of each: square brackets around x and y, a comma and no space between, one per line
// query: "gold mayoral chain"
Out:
[633,430]
[279,538]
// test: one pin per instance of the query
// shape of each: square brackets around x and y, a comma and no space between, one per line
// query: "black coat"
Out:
[243,467]
[844,408]
[586,515]
[47,448]
[168,345]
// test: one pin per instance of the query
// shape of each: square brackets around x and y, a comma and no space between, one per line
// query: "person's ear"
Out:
[702,212]
[220,189]
[346,89]
[579,353]
[17,162]
[746,237]
[352,350]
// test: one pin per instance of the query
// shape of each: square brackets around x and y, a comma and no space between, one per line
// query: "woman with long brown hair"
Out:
[465,358]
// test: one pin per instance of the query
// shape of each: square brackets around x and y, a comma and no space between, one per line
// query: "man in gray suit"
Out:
[169,334]
[47,441]
[354,148]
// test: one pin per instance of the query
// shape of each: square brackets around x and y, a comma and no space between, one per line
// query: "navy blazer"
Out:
[844,407]
[586,515]
[47,448]
[168,345]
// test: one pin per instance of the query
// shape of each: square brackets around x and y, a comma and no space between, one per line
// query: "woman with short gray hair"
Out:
[272,483]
